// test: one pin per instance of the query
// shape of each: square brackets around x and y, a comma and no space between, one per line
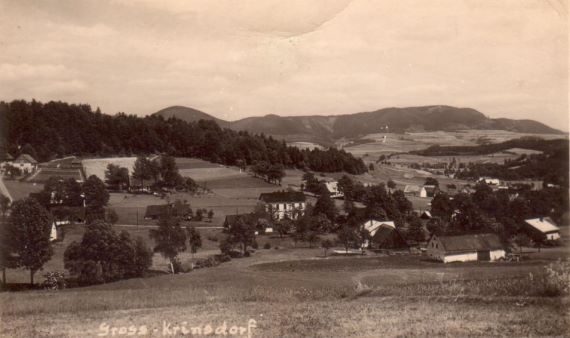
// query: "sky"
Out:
[234,59]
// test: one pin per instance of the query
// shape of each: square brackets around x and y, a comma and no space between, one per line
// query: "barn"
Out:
[465,248]
[543,226]
[383,235]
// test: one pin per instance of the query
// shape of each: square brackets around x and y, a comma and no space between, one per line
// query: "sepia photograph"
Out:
[300,168]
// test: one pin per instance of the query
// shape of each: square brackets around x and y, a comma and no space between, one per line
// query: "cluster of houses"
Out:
[25,162]
[497,184]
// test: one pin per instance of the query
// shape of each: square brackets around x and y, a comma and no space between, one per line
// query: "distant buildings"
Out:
[544,226]
[424,191]
[281,204]
[465,248]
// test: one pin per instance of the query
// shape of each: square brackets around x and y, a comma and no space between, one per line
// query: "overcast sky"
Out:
[234,59]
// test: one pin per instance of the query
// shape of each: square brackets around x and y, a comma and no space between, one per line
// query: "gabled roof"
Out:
[282,196]
[543,224]
[332,186]
[429,188]
[25,158]
[412,188]
[373,225]
[469,243]
[389,238]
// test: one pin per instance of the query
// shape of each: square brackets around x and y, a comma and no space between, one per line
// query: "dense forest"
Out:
[57,129]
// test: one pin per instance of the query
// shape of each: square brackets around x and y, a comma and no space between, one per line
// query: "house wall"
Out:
[463,257]
[553,236]
[434,249]
[497,254]
[280,210]
[423,193]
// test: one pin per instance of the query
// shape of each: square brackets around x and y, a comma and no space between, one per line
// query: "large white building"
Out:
[465,248]
[284,204]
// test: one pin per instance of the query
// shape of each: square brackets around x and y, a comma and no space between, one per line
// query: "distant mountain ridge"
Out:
[334,127]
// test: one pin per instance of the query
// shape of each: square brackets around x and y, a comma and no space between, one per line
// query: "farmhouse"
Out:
[281,204]
[544,226]
[464,248]
[177,209]
[332,188]
[383,235]
[26,163]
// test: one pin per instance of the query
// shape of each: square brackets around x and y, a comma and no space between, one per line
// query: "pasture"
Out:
[19,190]
[294,293]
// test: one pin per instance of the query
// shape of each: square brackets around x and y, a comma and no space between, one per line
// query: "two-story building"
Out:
[282,204]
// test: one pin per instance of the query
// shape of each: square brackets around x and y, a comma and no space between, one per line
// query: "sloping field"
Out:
[212,173]
[97,166]
[20,190]
[43,174]
[193,163]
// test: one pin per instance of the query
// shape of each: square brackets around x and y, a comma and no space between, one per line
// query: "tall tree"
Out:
[194,239]
[169,238]
[142,170]
[169,171]
[325,205]
[243,233]
[28,235]
[96,197]
[347,236]
[117,176]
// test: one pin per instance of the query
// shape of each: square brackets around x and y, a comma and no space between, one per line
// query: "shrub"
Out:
[235,254]
[267,246]
[212,238]
[556,281]
[255,245]
[54,281]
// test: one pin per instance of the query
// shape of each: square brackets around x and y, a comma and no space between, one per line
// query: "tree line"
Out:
[56,129]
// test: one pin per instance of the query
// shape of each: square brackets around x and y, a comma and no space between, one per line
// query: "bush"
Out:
[223,258]
[54,281]
[556,281]
[235,254]
[255,245]
[186,267]
[212,238]
[267,246]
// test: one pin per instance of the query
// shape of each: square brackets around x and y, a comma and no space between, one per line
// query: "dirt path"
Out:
[4,190]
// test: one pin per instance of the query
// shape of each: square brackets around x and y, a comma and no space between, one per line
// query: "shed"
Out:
[544,226]
[464,248]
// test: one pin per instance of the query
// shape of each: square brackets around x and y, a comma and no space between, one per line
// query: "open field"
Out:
[20,190]
[288,297]
[98,166]
[398,143]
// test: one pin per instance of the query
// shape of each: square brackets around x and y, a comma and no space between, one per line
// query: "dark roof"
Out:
[387,237]
[470,243]
[26,158]
[282,196]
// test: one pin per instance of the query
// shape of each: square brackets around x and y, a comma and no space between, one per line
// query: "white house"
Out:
[465,248]
[281,204]
[544,226]
[25,162]
[332,188]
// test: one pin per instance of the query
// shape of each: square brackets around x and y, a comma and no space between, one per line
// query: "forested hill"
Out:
[532,143]
[57,129]
[551,166]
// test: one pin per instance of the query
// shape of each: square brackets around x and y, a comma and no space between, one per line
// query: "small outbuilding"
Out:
[544,226]
[465,248]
